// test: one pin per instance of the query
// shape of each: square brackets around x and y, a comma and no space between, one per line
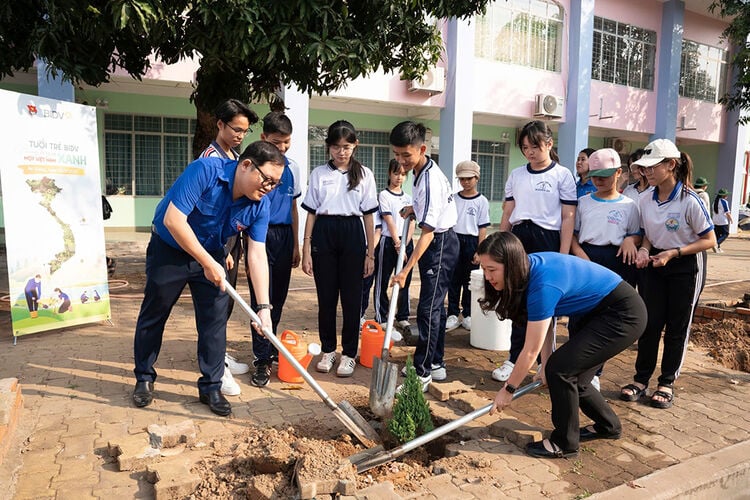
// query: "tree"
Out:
[737,34]
[245,48]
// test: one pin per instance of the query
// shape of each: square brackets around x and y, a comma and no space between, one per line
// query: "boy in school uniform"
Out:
[436,251]
[282,243]
[471,228]
[212,200]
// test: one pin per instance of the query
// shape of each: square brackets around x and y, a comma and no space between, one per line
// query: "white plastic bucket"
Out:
[487,331]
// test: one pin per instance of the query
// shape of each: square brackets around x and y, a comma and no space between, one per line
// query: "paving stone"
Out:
[379,491]
[172,479]
[169,436]
[443,391]
[515,431]
[342,481]
[442,487]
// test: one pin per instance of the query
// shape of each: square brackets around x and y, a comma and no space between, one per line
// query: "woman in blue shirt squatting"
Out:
[531,290]
[212,200]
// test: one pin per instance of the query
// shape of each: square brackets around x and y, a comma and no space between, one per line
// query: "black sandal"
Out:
[668,396]
[538,450]
[637,393]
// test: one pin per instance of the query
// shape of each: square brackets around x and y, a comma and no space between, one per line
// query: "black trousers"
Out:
[338,255]
[459,295]
[607,330]
[435,271]
[234,247]
[387,258]
[279,250]
[671,294]
[534,239]
[168,270]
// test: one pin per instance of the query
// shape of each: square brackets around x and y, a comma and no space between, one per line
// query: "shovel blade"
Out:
[383,387]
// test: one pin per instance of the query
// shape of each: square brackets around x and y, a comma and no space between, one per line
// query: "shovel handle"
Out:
[394,294]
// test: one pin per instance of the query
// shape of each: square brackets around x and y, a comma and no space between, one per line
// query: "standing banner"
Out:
[52,204]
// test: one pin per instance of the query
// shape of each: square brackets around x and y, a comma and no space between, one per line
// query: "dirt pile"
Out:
[727,341]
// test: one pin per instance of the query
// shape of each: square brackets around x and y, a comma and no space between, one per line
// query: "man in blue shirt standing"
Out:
[211,201]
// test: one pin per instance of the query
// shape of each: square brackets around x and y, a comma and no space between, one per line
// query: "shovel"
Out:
[385,374]
[344,411]
[373,457]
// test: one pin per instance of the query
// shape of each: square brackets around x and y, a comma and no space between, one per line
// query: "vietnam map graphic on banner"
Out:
[54,231]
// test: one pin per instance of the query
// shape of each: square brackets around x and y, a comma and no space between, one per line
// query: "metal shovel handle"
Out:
[394,294]
[280,346]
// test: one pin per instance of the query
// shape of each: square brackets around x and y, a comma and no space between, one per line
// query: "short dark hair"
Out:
[227,110]
[277,122]
[408,133]
[588,151]
[260,152]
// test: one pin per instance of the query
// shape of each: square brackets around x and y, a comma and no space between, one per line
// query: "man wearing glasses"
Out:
[211,201]
[233,122]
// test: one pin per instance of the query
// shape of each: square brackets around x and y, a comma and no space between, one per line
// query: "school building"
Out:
[604,73]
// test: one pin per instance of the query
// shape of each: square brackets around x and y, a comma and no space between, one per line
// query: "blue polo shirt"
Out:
[281,198]
[566,285]
[204,193]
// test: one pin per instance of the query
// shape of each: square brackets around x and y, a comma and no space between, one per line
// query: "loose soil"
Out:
[727,341]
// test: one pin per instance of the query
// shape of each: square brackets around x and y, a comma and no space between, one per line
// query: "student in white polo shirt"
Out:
[336,250]
[436,250]
[677,231]
[539,208]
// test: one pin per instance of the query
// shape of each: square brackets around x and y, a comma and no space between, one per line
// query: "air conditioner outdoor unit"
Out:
[620,145]
[548,105]
[433,81]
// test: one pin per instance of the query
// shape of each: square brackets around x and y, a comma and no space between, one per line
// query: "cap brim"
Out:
[648,162]
[604,172]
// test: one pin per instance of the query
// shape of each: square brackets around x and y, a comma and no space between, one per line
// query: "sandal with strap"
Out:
[667,396]
[636,393]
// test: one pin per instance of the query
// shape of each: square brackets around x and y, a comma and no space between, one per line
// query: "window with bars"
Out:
[145,154]
[493,158]
[523,32]
[623,54]
[373,151]
[703,71]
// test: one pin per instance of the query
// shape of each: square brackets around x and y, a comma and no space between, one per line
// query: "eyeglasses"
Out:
[346,148]
[238,130]
[266,181]
[650,170]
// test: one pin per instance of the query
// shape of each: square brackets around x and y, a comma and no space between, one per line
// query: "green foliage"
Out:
[737,34]
[411,413]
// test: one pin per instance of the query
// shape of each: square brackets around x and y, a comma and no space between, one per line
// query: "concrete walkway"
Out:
[77,387]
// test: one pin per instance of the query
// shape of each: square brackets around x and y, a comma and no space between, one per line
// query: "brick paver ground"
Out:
[77,387]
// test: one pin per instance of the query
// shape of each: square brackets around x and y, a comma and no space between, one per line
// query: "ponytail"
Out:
[683,172]
[717,200]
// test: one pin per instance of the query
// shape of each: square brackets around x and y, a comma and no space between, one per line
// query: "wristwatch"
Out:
[510,388]
[258,307]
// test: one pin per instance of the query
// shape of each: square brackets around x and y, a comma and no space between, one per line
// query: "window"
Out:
[703,71]
[523,32]
[145,154]
[374,152]
[492,158]
[623,54]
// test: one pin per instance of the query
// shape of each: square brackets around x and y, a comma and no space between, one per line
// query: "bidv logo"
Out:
[47,112]
[543,186]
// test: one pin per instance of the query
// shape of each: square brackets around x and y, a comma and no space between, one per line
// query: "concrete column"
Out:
[456,118]
[53,87]
[299,112]
[573,135]
[668,76]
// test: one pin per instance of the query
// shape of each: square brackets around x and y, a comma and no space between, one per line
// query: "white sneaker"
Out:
[362,322]
[451,323]
[438,373]
[466,323]
[404,323]
[719,250]
[503,373]
[326,362]
[426,381]
[596,384]
[235,367]
[228,385]
[346,366]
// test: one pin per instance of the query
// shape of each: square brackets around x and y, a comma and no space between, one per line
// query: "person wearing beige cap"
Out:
[473,211]
[677,232]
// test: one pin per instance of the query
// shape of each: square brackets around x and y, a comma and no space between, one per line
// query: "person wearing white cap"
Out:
[677,231]
[471,228]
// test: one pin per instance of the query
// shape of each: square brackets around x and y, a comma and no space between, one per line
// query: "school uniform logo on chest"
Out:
[615,217]
[471,211]
[543,187]
[673,222]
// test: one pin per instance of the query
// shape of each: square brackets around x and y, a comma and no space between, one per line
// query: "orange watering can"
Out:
[302,352]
